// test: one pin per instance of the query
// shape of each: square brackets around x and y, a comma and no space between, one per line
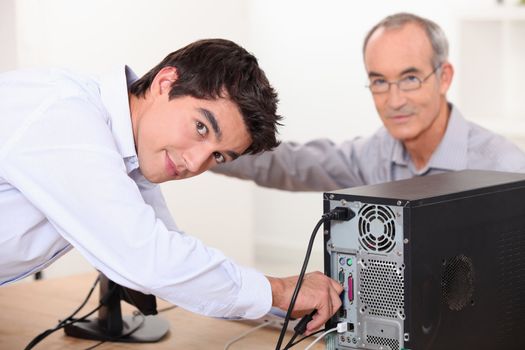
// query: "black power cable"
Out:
[62,323]
[291,343]
[338,213]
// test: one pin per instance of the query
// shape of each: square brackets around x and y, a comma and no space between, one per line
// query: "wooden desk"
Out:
[27,309]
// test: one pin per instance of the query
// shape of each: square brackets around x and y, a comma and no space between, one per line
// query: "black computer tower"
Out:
[430,263]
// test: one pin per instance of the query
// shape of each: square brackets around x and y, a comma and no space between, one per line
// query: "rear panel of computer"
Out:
[371,268]
[443,272]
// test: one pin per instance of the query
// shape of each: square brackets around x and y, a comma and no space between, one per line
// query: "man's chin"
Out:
[401,132]
[182,176]
[159,179]
[187,176]
[154,178]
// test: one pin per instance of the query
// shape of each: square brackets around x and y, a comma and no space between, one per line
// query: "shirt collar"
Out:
[399,153]
[451,153]
[114,94]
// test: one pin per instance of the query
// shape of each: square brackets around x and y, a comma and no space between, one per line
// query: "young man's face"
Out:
[185,136]
[405,53]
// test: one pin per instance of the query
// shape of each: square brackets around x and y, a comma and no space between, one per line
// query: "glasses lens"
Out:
[379,87]
[409,83]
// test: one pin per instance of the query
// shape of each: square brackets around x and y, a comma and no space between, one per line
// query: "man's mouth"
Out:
[171,168]
[399,118]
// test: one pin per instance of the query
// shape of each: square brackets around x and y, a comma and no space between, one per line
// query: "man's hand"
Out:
[317,292]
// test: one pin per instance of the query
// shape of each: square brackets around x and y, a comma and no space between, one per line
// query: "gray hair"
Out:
[435,34]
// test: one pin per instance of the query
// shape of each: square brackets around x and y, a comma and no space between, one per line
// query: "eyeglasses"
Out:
[408,83]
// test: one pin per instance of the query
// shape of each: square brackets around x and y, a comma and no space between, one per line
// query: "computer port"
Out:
[350,292]
[341,276]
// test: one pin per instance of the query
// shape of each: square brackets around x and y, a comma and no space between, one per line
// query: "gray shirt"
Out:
[322,165]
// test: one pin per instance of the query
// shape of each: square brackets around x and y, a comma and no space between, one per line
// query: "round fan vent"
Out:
[377,229]
[457,282]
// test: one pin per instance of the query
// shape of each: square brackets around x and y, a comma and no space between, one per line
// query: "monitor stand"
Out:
[110,325]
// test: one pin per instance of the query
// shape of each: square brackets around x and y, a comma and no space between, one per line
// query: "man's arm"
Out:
[78,184]
[318,165]
[318,291]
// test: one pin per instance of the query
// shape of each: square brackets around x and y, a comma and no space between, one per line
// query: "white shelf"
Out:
[491,69]
[508,12]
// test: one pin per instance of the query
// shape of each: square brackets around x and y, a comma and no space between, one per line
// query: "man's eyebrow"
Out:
[411,70]
[373,74]
[213,121]
[233,155]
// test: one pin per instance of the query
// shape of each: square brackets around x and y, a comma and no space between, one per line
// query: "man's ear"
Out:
[446,73]
[164,80]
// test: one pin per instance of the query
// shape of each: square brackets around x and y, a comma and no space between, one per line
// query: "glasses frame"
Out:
[397,82]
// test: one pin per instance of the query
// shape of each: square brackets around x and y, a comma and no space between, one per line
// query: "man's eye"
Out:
[219,158]
[378,82]
[411,79]
[202,129]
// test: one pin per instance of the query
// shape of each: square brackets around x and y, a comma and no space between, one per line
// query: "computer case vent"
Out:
[382,288]
[376,228]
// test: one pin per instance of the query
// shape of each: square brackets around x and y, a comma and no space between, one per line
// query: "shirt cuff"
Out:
[255,296]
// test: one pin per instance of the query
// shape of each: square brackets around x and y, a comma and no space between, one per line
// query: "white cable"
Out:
[242,335]
[320,337]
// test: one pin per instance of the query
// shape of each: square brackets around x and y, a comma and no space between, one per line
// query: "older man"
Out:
[409,76]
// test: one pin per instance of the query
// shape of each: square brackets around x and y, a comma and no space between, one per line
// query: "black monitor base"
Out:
[153,329]
[111,325]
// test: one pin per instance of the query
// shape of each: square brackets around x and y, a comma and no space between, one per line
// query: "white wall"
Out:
[95,35]
[311,52]
[8,57]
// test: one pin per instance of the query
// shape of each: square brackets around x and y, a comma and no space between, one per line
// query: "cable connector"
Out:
[300,327]
[342,327]
[340,214]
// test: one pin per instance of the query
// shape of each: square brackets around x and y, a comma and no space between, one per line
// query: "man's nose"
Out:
[396,97]
[197,159]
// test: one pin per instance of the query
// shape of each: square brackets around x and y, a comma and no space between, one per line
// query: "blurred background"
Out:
[310,51]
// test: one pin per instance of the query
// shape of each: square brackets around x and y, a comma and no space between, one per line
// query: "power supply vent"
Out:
[377,229]
[382,288]
[510,279]
[384,343]
[457,282]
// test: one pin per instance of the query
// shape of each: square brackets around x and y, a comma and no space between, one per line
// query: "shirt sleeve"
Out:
[318,165]
[64,160]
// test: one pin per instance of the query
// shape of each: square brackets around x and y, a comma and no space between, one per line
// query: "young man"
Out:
[409,76]
[80,160]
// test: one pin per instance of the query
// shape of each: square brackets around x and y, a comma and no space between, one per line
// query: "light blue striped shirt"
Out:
[322,165]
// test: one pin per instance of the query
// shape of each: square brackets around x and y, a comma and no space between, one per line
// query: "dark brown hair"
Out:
[213,68]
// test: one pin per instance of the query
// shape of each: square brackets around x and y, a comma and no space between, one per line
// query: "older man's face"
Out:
[405,54]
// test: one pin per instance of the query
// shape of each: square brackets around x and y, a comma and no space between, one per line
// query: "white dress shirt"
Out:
[69,177]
